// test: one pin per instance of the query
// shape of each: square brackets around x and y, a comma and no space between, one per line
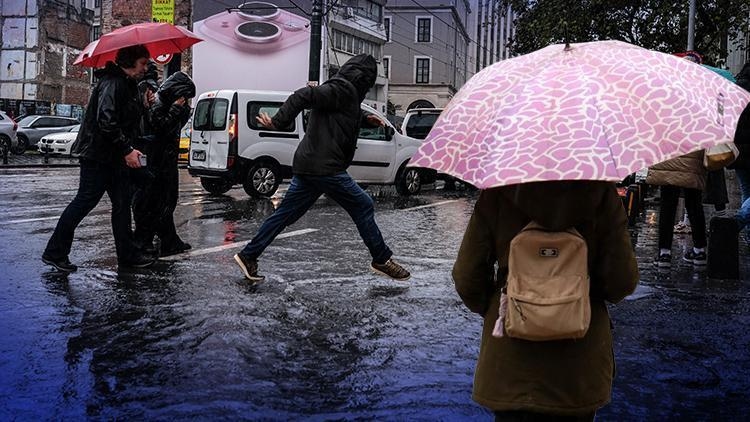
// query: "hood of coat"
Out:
[177,85]
[558,205]
[361,71]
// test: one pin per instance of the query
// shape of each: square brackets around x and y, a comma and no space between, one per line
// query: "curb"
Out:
[20,166]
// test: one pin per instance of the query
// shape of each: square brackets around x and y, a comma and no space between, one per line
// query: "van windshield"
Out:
[211,114]
[419,125]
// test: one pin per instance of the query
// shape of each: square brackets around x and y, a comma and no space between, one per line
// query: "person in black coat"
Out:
[742,140]
[155,199]
[320,163]
[105,147]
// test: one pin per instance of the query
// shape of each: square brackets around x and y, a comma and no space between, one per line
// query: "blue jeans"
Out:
[95,179]
[302,194]
[743,214]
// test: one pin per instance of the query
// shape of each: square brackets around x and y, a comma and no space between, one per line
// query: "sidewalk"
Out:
[36,159]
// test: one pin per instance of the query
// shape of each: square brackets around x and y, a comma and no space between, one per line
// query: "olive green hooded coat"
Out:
[566,377]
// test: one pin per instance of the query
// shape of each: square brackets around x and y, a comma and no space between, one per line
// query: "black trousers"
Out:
[154,203]
[96,179]
[668,209]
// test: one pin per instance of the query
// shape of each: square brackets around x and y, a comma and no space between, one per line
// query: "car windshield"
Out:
[419,125]
[26,121]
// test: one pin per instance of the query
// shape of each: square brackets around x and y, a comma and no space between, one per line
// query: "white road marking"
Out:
[232,245]
[29,220]
[430,205]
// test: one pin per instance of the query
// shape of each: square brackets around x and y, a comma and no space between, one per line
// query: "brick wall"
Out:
[126,12]
[60,40]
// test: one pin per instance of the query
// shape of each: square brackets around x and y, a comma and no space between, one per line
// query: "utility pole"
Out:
[479,38]
[691,27]
[313,78]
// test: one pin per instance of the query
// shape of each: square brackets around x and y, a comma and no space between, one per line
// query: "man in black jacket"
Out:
[105,147]
[320,164]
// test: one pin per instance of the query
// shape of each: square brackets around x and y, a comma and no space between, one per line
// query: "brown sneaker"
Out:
[249,268]
[391,269]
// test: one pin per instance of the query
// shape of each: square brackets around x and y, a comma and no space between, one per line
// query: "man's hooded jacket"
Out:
[111,122]
[331,136]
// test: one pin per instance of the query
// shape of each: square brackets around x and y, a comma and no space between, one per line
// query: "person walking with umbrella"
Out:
[105,147]
[545,135]
[320,164]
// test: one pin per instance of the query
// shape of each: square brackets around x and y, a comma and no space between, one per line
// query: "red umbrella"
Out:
[159,37]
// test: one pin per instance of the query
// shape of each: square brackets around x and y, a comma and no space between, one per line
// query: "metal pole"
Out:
[691,27]
[315,43]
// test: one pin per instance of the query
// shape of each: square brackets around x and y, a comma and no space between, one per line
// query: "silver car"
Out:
[8,129]
[32,128]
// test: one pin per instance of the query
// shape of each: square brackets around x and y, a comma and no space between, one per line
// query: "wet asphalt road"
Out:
[322,338]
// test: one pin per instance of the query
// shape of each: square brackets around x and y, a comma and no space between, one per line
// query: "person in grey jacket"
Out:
[320,163]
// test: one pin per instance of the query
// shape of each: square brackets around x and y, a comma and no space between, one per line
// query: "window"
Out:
[354,45]
[387,66]
[211,114]
[372,133]
[255,108]
[424,29]
[422,70]
[97,3]
[387,25]
[96,32]
[45,122]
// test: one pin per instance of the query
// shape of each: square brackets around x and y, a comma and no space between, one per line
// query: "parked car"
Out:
[8,129]
[59,142]
[419,121]
[184,148]
[229,147]
[32,128]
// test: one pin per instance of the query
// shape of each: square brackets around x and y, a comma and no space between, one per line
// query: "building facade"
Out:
[40,41]
[492,28]
[427,51]
[356,27]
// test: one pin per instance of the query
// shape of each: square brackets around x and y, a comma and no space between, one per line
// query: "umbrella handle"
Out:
[566,34]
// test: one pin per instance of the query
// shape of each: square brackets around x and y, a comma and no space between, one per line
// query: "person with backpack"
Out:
[567,369]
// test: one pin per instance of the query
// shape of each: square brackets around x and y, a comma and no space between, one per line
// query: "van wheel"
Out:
[216,186]
[262,180]
[408,182]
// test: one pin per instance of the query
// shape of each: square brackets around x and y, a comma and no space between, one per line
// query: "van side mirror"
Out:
[389,131]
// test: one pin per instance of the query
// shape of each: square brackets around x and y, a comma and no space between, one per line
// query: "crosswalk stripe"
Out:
[232,245]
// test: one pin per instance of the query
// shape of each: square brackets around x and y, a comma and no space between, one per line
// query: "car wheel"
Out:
[408,182]
[216,186]
[263,179]
[23,143]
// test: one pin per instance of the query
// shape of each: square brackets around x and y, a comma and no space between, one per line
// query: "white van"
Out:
[229,147]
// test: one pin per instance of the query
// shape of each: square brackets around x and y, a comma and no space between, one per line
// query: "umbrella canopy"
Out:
[159,38]
[723,72]
[593,111]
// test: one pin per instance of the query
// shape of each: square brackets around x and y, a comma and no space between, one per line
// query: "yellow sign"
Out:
[162,11]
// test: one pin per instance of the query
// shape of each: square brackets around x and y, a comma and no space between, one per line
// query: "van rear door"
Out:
[211,134]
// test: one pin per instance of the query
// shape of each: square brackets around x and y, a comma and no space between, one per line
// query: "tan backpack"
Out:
[547,293]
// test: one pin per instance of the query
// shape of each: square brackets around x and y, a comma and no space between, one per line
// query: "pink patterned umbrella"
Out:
[595,111]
